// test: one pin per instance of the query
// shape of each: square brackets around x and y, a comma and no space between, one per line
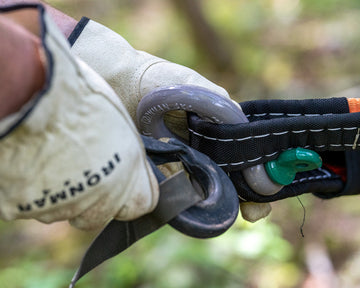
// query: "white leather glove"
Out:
[130,72]
[133,74]
[73,151]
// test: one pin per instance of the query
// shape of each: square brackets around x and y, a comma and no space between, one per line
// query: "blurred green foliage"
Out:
[278,49]
[163,259]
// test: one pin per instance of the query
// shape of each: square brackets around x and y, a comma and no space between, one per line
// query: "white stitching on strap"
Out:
[334,129]
[325,171]
[326,176]
[280,133]
[262,136]
[269,134]
[250,160]
[277,152]
[286,114]
[356,139]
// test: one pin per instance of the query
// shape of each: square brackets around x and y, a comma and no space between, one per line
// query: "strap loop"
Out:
[118,236]
[215,214]
[179,204]
[322,125]
[269,132]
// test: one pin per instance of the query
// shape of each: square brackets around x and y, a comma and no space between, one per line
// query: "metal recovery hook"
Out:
[180,204]
[206,203]
[207,105]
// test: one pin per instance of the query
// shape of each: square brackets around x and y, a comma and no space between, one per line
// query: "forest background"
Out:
[256,49]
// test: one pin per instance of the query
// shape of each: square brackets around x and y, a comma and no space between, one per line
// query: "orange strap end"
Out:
[354,105]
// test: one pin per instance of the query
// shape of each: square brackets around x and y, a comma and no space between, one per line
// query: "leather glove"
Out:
[133,74]
[72,152]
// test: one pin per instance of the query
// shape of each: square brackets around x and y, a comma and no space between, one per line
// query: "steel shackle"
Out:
[208,106]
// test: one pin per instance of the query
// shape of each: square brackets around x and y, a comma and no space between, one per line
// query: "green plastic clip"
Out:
[283,169]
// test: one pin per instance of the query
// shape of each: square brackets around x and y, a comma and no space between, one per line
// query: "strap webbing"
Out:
[275,126]
[322,125]
[176,195]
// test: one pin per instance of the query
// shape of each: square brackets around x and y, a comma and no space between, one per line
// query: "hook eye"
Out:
[207,105]
[218,211]
[203,102]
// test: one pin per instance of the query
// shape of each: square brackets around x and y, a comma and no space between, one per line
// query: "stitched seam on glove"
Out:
[140,72]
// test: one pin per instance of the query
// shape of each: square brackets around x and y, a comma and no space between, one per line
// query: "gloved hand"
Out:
[133,74]
[72,152]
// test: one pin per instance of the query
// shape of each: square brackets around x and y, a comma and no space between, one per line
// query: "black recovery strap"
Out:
[325,126]
[198,212]
[275,126]
[176,195]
